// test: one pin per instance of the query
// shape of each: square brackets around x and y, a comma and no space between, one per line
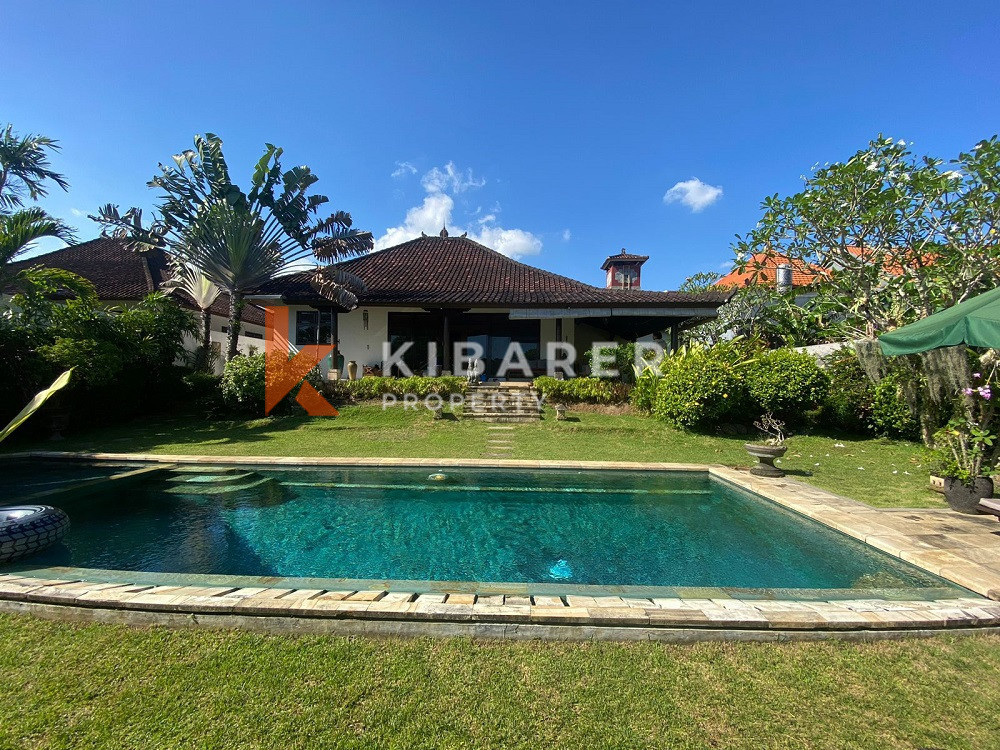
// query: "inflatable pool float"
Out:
[25,529]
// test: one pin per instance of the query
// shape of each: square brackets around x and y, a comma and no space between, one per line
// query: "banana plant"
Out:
[35,404]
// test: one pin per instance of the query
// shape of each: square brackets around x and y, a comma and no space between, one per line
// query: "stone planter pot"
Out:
[560,412]
[765,455]
[965,499]
[352,370]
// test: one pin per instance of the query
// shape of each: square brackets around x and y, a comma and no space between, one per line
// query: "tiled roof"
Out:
[458,272]
[623,256]
[118,273]
[765,264]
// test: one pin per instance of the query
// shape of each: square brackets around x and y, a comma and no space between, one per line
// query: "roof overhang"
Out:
[612,312]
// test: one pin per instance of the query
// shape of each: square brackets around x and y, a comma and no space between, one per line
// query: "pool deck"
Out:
[962,549]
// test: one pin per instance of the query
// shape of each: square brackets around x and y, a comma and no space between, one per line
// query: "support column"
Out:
[446,340]
[674,339]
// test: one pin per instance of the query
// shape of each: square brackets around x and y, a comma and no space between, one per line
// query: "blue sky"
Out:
[565,124]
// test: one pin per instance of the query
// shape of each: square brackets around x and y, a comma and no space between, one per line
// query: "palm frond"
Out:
[21,229]
[25,168]
[338,286]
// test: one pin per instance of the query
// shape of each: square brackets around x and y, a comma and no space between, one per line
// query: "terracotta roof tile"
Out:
[765,265]
[121,274]
[458,272]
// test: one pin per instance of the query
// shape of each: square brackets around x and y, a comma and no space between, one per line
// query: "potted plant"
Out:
[963,460]
[771,447]
[964,450]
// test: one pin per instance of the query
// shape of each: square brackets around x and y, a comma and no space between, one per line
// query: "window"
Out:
[315,327]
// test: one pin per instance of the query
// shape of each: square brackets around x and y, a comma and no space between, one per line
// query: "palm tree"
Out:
[203,292]
[24,168]
[18,233]
[241,240]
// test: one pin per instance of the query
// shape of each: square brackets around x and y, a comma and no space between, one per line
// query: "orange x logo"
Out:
[282,374]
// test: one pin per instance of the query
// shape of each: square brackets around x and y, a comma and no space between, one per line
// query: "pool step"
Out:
[206,488]
[228,476]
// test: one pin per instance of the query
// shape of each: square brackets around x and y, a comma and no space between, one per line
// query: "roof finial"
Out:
[444,231]
[423,234]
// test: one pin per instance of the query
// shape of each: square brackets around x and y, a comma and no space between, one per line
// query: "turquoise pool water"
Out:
[543,528]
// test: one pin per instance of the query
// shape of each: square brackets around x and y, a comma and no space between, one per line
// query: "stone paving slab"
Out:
[596,612]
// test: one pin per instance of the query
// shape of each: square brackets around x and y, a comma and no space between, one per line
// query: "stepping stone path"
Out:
[499,442]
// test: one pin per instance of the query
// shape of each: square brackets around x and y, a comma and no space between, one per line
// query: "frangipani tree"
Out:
[237,239]
[893,236]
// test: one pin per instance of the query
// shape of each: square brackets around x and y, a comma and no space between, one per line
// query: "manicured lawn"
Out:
[880,472]
[111,686]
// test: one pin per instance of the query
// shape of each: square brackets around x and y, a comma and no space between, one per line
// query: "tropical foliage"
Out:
[583,390]
[202,292]
[35,404]
[240,240]
[894,236]
[24,174]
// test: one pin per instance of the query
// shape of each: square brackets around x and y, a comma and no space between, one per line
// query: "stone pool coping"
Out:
[962,549]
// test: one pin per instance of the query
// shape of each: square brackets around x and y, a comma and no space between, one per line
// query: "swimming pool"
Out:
[539,531]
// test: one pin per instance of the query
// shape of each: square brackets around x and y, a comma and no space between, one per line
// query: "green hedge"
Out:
[372,387]
[582,390]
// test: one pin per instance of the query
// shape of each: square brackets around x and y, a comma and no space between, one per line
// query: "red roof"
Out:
[459,272]
[119,273]
[764,266]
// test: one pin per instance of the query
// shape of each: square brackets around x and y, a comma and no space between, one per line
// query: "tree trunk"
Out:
[235,314]
[206,339]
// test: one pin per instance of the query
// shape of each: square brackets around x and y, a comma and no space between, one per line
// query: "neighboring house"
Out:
[123,277]
[446,289]
[771,269]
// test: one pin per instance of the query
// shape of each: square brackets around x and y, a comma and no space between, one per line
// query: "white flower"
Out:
[815,464]
[894,471]
[838,445]
[861,468]
[907,473]
[951,174]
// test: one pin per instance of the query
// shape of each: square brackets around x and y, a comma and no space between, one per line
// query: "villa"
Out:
[443,289]
[433,289]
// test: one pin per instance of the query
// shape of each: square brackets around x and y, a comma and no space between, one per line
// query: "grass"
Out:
[112,686]
[883,473]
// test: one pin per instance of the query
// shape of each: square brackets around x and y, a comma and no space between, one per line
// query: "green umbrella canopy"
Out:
[975,322]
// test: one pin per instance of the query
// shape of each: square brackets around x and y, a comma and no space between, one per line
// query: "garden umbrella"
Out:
[975,322]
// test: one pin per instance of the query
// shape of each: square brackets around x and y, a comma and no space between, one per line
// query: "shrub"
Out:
[374,387]
[851,394]
[785,383]
[891,415]
[701,387]
[643,394]
[242,384]
[582,390]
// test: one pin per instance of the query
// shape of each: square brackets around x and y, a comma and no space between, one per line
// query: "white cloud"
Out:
[437,210]
[78,213]
[450,179]
[567,235]
[694,194]
[404,168]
